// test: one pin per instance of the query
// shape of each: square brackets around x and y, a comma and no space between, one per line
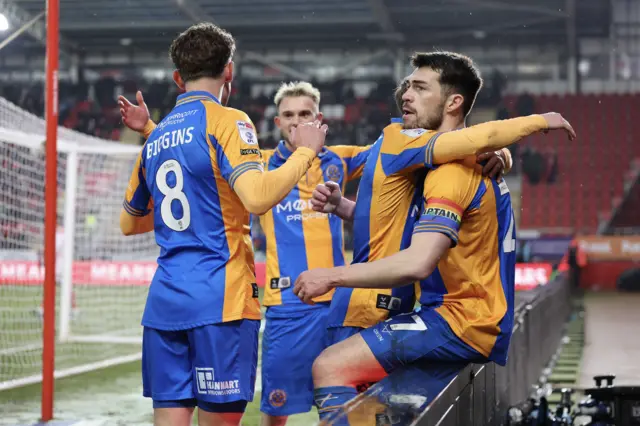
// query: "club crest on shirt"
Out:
[247,132]
[332,173]
[277,398]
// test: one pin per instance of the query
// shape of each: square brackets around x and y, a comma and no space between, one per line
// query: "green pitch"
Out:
[110,396]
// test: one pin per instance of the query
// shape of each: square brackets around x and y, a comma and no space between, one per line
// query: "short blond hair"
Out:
[297,88]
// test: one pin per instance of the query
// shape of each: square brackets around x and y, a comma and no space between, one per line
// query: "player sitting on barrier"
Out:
[462,250]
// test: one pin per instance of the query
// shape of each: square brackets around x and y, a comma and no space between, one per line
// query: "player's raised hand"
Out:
[556,121]
[313,283]
[309,135]
[326,197]
[134,117]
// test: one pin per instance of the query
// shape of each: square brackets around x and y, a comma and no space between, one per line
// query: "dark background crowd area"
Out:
[91,108]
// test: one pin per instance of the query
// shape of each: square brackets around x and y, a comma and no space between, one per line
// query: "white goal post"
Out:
[102,277]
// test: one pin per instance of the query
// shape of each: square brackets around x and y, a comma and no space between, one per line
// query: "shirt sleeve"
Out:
[137,199]
[235,141]
[456,145]
[148,129]
[448,192]
[259,191]
[354,157]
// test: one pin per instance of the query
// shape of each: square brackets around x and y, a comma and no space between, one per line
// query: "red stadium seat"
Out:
[591,170]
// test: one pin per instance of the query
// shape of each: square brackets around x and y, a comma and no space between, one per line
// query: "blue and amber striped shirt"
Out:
[299,238]
[184,176]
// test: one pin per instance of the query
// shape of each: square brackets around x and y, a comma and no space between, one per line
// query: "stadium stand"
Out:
[588,181]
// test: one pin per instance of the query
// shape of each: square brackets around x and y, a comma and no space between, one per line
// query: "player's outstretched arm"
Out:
[327,198]
[493,135]
[260,191]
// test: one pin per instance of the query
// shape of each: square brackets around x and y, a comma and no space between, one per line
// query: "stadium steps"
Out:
[566,371]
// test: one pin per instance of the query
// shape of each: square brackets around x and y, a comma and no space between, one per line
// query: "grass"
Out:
[113,395]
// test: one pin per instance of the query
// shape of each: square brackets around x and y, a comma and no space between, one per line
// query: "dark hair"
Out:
[458,74]
[203,50]
[399,92]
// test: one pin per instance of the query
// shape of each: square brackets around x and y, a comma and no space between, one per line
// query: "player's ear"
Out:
[276,121]
[454,102]
[228,72]
[319,116]
[178,80]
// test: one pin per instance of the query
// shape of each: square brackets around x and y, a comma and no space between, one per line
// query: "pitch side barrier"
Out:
[481,394]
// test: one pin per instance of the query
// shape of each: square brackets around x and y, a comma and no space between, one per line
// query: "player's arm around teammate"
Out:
[434,101]
[327,197]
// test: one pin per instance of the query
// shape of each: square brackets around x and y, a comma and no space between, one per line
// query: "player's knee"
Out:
[268,420]
[221,414]
[219,419]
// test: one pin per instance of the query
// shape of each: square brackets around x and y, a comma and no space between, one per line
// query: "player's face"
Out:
[295,110]
[423,103]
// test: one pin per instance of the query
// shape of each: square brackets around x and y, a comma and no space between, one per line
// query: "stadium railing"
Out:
[482,394]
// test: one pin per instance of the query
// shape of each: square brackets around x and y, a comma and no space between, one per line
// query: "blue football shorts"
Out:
[421,336]
[203,366]
[293,338]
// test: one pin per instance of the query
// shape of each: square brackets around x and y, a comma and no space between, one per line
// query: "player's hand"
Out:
[495,164]
[309,135]
[326,197]
[312,284]
[134,117]
[556,121]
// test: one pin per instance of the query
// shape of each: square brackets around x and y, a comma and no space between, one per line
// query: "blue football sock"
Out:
[330,400]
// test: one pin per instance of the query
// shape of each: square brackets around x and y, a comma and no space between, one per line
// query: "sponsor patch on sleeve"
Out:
[247,132]
[250,151]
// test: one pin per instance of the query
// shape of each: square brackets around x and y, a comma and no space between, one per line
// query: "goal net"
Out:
[102,277]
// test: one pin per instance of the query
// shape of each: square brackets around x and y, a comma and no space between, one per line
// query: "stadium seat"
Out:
[591,170]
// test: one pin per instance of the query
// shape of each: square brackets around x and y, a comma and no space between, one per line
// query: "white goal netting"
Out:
[102,276]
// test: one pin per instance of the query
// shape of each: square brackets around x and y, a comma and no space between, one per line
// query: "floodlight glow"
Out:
[4,23]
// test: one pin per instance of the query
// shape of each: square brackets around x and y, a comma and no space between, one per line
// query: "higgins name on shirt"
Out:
[172,138]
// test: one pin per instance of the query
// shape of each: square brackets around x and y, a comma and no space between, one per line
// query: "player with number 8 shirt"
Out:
[195,183]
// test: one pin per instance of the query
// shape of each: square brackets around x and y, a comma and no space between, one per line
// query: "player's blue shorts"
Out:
[338,334]
[293,338]
[212,364]
[422,335]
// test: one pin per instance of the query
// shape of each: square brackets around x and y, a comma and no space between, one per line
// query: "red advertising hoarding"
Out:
[22,272]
